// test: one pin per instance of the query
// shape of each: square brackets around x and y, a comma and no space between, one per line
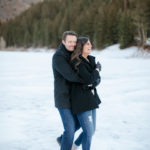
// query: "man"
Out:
[63,75]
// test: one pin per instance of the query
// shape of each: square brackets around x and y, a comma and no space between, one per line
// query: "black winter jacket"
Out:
[85,98]
[63,75]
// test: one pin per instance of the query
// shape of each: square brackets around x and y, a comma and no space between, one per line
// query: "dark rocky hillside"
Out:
[12,8]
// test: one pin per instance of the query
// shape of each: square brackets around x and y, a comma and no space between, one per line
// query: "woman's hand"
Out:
[98,66]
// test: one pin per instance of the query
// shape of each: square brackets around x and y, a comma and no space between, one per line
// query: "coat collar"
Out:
[90,58]
[64,50]
[91,61]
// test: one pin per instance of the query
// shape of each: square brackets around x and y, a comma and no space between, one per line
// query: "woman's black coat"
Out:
[82,97]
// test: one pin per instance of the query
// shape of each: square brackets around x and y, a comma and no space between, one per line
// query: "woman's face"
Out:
[87,48]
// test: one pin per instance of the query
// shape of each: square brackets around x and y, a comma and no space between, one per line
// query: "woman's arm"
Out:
[88,77]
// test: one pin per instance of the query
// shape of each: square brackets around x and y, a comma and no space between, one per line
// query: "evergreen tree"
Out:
[126,34]
[106,32]
[141,16]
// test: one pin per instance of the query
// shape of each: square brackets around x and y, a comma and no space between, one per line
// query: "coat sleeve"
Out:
[64,68]
[88,77]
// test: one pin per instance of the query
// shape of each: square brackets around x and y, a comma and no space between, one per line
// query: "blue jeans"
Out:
[87,121]
[78,141]
[70,124]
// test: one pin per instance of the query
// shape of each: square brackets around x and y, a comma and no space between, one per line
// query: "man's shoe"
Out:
[58,140]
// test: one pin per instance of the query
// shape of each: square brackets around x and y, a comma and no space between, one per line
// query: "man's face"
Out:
[70,42]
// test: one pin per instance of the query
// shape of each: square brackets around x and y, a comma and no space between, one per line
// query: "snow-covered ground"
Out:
[29,120]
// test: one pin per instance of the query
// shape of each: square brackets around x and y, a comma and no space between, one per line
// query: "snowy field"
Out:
[29,120]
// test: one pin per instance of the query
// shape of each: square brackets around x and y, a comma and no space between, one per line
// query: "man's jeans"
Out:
[70,124]
[87,122]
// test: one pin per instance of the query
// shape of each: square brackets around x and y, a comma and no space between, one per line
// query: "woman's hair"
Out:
[81,41]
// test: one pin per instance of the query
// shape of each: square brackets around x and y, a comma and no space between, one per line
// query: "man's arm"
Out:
[64,68]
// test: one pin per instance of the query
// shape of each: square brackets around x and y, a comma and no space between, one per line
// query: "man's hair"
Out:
[68,33]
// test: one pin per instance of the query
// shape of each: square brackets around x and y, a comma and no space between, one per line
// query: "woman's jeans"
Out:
[70,124]
[87,121]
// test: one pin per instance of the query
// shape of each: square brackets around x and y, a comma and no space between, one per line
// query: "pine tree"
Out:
[126,34]
[141,16]
[106,32]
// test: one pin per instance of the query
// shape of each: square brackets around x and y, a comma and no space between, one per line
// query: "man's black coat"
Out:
[63,75]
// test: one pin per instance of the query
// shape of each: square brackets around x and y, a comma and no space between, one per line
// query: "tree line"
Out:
[105,22]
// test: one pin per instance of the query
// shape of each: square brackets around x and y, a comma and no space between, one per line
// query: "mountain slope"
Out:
[12,8]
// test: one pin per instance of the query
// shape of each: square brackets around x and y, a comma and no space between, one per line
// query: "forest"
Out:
[105,22]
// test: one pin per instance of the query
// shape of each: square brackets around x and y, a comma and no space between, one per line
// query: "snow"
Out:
[148,41]
[29,120]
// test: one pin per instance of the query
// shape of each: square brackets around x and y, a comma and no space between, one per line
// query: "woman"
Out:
[84,98]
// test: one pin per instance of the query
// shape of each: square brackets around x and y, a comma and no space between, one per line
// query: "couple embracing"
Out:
[76,75]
